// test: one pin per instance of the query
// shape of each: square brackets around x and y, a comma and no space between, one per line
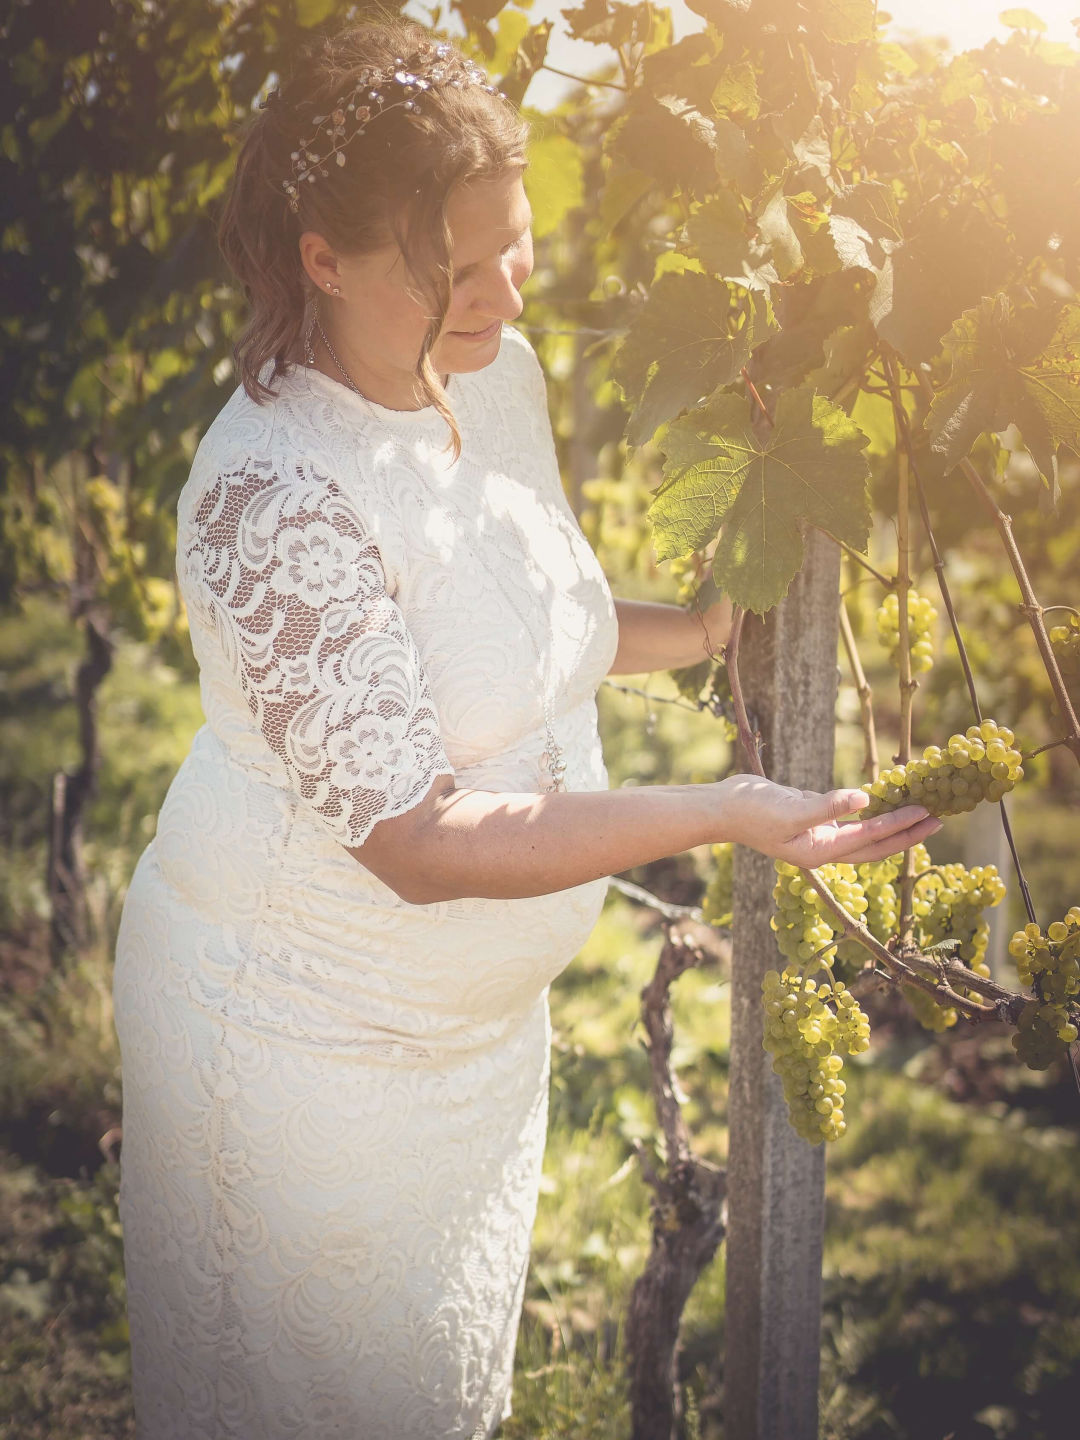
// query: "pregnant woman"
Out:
[394,829]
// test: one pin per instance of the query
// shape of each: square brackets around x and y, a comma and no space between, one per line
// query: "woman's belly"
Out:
[308,935]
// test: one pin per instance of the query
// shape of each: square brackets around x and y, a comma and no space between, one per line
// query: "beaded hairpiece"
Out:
[351,114]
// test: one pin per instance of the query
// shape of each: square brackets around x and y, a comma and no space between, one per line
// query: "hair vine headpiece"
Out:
[350,115]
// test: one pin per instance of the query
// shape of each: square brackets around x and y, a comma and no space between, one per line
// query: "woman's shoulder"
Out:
[279,431]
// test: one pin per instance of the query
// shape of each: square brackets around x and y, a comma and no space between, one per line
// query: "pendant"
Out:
[556,768]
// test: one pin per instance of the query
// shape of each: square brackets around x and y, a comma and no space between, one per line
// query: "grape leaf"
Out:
[1004,369]
[716,232]
[693,335]
[718,477]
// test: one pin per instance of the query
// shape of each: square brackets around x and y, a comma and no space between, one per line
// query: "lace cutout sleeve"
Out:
[286,574]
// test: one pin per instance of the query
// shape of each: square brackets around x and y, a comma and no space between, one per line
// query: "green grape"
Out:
[1050,965]
[947,904]
[882,899]
[804,1027]
[930,1014]
[801,922]
[921,617]
[881,916]
[1065,640]
[982,764]
[716,904]
[954,899]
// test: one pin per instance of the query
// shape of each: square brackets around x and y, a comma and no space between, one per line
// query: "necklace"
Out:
[552,757]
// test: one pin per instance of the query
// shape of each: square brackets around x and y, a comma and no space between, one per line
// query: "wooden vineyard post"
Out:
[776,1181]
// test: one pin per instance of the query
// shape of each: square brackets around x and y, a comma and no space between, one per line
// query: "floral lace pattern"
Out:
[335,1101]
[285,574]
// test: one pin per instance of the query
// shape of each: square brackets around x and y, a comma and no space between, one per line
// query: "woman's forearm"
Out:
[501,845]
[655,636]
[508,845]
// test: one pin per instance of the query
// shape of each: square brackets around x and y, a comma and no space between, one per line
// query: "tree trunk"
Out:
[776,1181]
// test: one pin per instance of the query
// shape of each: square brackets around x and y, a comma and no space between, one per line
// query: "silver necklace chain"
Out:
[552,757]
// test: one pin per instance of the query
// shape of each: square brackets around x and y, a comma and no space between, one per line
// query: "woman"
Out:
[394,829]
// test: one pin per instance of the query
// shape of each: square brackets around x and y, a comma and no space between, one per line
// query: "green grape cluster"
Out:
[949,902]
[805,1026]
[921,617]
[880,917]
[801,922]
[878,878]
[717,901]
[1050,965]
[1065,640]
[981,764]
[930,1013]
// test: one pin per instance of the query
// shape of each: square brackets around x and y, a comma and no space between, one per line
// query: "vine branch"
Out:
[904,437]
[865,693]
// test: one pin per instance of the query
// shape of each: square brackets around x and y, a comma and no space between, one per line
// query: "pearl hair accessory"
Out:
[352,113]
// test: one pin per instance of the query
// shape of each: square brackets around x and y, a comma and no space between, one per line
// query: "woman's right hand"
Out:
[800,826]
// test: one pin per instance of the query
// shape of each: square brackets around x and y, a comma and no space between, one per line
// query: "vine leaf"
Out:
[716,233]
[719,477]
[1004,369]
[693,336]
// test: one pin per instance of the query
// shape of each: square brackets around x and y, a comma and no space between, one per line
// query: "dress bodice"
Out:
[367,616]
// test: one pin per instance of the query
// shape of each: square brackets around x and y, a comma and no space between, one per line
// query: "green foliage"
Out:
[718,474]
[1007,368]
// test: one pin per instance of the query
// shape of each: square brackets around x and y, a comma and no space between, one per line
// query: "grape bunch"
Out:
[717,900]
[921,617]
[805,1026]
[930,1013]
[1050,965]
[880,917]
[982,764]
[1065,641]
[801,922]
[949,902]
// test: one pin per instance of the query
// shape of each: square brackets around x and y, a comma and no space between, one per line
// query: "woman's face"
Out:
[380,318]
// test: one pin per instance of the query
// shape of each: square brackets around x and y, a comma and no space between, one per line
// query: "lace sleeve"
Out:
[285,573]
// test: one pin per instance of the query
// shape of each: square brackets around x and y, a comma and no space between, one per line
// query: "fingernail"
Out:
[940,825]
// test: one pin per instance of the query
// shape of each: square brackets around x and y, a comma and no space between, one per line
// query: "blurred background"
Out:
[952,1268]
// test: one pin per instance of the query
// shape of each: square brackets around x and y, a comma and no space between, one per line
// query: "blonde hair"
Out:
[394,187]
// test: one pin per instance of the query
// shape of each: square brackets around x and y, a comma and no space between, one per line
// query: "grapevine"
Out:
[921,616]
[981,764]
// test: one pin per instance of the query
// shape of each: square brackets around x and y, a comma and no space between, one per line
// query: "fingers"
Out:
[849,848]
[833,804]
[891,822]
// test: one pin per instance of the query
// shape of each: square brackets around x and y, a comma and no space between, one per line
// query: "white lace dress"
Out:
[335,1102]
